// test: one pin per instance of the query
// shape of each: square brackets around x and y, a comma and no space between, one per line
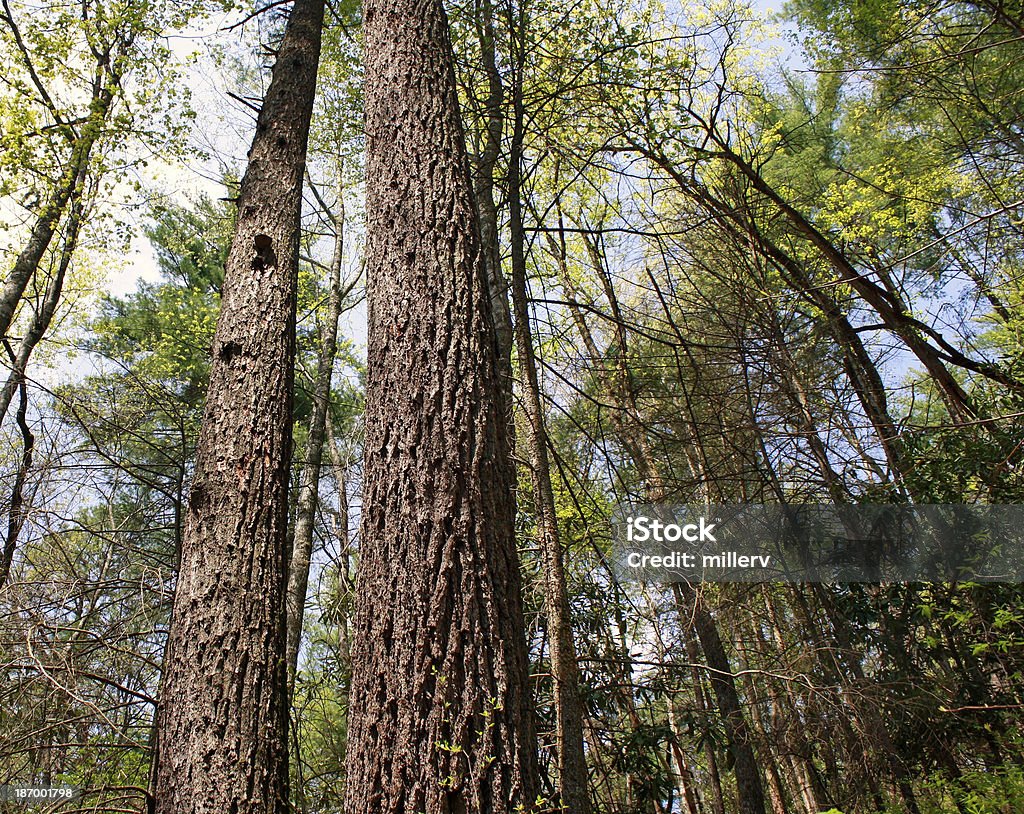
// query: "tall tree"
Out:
[222,721]
[569,713]
[440,717]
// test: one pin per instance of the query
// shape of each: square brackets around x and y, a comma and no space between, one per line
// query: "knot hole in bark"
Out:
[265,256]
[229,350]
[196,498]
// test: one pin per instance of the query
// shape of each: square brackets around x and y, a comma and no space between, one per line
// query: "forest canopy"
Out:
[336,335]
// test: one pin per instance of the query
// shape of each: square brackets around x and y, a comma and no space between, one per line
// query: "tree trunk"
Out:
[769,746]
[702,703]
[222,722]
[16,382]
[749,789]
[45,310]
[572,764]
[483,190]
[69,189]
[794,743]
[18,512]
[309,485]
[684,776]
[440,717]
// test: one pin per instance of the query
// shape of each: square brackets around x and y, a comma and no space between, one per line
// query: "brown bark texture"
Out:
[440,715]
[222,719]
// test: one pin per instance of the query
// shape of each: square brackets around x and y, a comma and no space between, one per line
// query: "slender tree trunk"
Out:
[795,742]
[860,368]
[68,189]
[912,332]
[572,765]
[776,792]
[483,190]
[876,730]
[684,776]
[309,483]
[702,704]
[749,789]
[440,718]
[46,310]
[16,383]
[855,731]
[342,467]
[18,512]
[222,733]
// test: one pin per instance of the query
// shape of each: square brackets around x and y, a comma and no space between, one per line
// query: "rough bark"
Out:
[440,717]
[309,482]
[222,721]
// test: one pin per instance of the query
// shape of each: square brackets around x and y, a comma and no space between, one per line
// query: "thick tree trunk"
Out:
[222,731]
[309,483]
[440,717]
